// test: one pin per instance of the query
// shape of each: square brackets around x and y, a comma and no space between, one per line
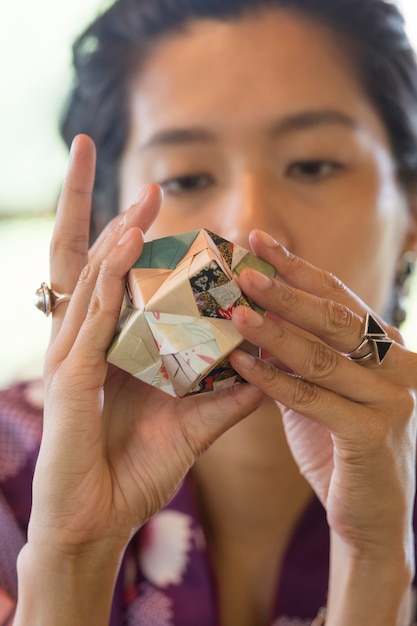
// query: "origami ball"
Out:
[176,332]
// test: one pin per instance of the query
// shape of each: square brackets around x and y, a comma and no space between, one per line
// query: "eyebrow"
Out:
[312,119]
[303,120]
[177,136]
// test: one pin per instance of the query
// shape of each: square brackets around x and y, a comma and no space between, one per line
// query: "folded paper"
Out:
[175,331]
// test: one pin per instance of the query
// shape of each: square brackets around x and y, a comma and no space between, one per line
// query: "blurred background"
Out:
[35,57]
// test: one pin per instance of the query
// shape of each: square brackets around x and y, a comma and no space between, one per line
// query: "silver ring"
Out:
[375,343]
[47,300]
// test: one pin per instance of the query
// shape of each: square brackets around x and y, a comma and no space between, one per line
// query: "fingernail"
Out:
[253,319]
[125,238]
[245,360]
[72,147]
[142,194]
[139,198]
[267,240]
[260,281]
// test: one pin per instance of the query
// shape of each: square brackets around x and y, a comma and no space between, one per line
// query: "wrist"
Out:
[369,588]
[57,588]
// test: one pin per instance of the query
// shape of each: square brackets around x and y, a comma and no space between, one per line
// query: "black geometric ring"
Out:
[375,339]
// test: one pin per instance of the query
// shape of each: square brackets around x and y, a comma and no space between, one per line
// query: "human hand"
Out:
[114,449]
[351,427]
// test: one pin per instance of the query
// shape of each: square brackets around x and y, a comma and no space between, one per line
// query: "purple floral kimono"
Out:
[166,578]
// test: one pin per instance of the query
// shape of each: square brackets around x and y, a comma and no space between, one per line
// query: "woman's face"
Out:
[262,123]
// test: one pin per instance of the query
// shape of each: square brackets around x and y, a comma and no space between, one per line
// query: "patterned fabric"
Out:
[20,435]
[166,578]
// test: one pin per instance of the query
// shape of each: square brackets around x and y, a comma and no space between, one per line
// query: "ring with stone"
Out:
[46,300]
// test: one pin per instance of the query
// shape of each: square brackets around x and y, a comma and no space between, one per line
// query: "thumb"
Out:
[218,411]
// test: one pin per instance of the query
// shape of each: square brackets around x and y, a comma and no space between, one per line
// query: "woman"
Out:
[283,126]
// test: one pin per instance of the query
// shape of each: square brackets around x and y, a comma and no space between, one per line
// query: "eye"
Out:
[314,170]
[186,184]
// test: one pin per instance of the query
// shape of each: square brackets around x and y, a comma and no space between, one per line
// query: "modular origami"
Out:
[175,331]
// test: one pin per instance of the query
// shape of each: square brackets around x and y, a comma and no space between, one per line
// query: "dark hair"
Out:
[119,40]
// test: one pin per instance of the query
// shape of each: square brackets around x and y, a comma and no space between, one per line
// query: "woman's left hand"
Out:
[351,427]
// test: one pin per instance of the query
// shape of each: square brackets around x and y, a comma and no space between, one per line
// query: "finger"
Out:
[330,321]
[213,413]
[90,346]
[146,208]
[297,272]
[107,230]
[340,316]
[335,412]
[69,245]
[148,215]
[313,360]
[303,276]
[141,214]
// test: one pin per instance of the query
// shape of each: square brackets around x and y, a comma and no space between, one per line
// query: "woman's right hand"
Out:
[114,449]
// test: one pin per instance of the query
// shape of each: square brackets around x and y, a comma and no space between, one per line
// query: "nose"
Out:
[253,202]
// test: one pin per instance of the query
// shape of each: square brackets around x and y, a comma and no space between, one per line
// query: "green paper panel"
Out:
[167,252]
[255,263]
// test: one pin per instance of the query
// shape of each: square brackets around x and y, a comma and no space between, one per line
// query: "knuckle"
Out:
[322,361]
[288,296]
[97,307]
[333,284]
[101,301]
[279,336]
[269,375]
[94,306]
[86,275]
[399,414]
[406,399]
[305,394]
[105,269]
[70,188]
[107,272]
[295,261]
[337,316]
[76,244]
